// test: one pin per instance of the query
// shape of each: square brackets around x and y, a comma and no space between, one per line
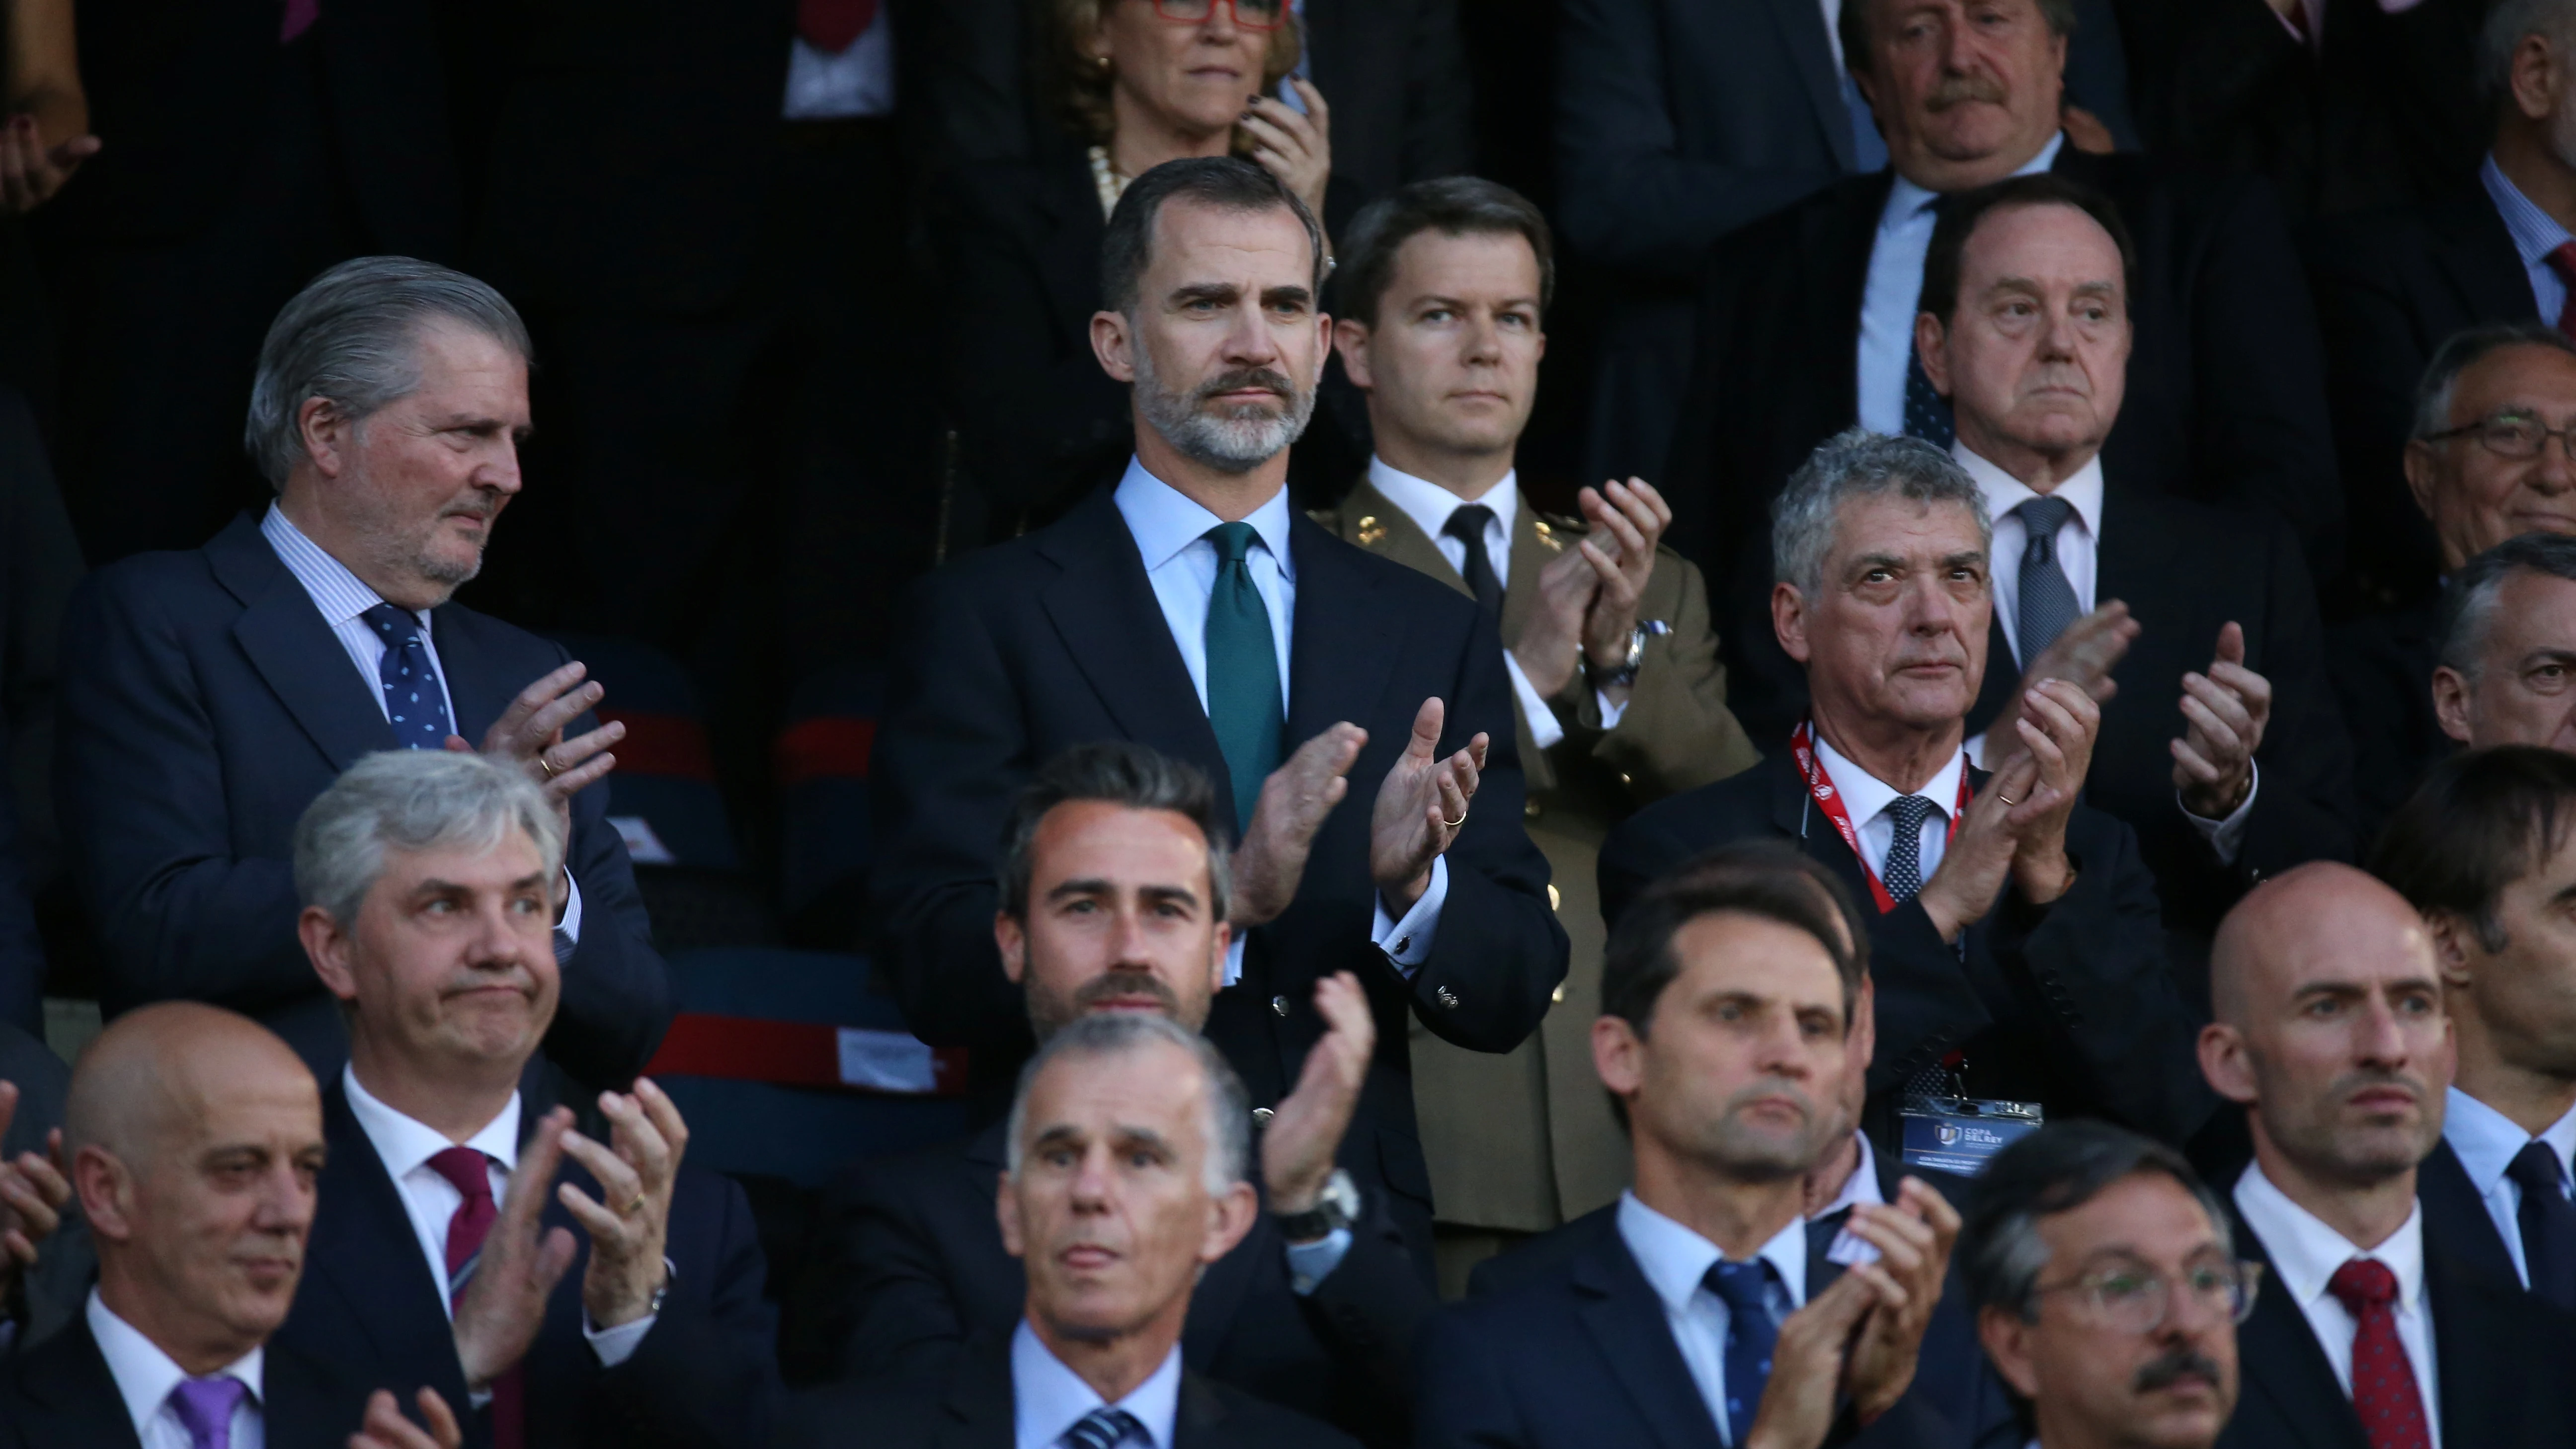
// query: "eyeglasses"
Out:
[1250,14]
[2512,435]
[2136,1300]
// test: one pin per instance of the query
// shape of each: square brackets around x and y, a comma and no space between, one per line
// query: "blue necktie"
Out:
[1243,699]
[415,703]
[1745,1289]
[2047,603]
[1101,1428]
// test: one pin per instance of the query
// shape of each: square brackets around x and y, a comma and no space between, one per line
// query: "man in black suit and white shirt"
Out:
[2331,1033]
[2483,851]
[1194,610]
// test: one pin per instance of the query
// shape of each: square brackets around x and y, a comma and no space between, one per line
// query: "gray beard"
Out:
[1239,443]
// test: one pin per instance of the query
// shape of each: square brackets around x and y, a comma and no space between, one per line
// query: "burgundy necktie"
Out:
[465,1167]
[830,25]
[2383,1382]
[2563,262]
[300,15]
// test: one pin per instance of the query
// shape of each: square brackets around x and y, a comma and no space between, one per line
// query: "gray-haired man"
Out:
[2015,940]
[2508,647]
[215,693]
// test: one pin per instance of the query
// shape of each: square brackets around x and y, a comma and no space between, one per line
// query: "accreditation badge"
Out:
[1959,1134]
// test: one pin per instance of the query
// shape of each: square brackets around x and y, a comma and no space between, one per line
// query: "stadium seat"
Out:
[822,772]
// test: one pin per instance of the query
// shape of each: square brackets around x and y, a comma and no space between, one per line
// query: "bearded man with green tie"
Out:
[1191,608]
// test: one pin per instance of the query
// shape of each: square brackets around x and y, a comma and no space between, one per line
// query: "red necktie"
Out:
[465,1168]
[300,15]
[2563,262]
[830,25]
[2383,1382]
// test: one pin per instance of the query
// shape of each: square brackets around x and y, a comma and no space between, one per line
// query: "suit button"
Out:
[1557,996]
[1279,1004]
[1529,810]
[1446,997]
[1624,778]
[1555,902]
[1261,1116]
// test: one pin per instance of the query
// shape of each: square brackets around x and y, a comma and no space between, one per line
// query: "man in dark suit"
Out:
[622,1307]
[216,693]
[1807,319]
[2025,331]
[196,1138]
[1115,898]
[2110,1352]
[2483,852]
[1127,1178]
[1192,609]
[2331,1032]
[2016,940]
[1687,1315]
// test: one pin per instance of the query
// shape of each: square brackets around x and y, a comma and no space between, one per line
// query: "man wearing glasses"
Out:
[2331,1032]
[2104,1278]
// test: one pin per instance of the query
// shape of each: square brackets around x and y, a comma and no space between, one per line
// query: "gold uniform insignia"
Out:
[1372,532]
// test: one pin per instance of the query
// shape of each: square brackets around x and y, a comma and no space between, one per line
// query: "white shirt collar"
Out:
[2486,1140]
[1429,505]
[145,1376]
[1164,520]
[1048,1398]
[1676,1259]
[1905,200]
[2004,492]
[1862,1186]
[1865,795]
[338,593]
[406,1145]
[2305,1251]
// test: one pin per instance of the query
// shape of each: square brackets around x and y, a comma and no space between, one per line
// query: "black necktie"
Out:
[1904,875]
[2548,1224]
[1467,524]
[2047,603]
[1927,413]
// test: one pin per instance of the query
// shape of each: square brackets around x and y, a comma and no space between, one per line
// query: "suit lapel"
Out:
[2477,254]
[364,1251]
[2456,1221]
[74,1397]
[1627,1321]
[1344,642]
[2283,1362]
[2474,1377]
[1802,27]
[477,691]
[980,1410]
[294,651]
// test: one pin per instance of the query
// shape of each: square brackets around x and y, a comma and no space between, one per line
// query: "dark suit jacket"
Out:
[2456,1222]
[1022,650]
[60,1395]
[2390,287]
[2072,1006]
[970,1406]
[2500,1366]
[2226,399]
[205,708]
[22,951]
[703,1375]
[2382,666]
[907,1267]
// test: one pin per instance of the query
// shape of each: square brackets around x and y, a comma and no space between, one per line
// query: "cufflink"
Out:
[1446,997]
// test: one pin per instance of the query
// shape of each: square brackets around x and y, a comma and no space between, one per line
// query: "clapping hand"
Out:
[503,1307]
[31,171]
[1979,860]
[1588,596]
[631,1219]
[1420,809]
[1294,801]
[386,1428]
[1296,149]
[34,1190]
[1913,1237]
[531,732]
[2058,726]
[1306,1129]
[2225,712]
[2083,655]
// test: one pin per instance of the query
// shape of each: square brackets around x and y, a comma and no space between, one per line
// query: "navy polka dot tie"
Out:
[1745,1289]
[2383,1380]
[415,703]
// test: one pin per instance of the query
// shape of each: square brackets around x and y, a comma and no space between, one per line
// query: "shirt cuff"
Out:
[2227,837]
[1309,1264]
[1611,713]
[616,1345]
[570,926]
[1407,942]
[1544,728]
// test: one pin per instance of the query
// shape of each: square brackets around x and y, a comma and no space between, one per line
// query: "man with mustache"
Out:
[214,694]
[2025,330]
[2331,1032]
[622,1305]
[2016,949]
[1115,894]
[2104,1277]
[2225,401]
[1192,608]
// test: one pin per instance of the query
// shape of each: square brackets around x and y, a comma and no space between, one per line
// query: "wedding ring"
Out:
[1454,824]
[2007,799]
[547,765]
[634,1207]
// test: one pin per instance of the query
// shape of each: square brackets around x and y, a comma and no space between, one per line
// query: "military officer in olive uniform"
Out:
[1606,637]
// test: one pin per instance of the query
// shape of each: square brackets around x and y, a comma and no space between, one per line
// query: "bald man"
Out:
[2331,1033]
[195,1138]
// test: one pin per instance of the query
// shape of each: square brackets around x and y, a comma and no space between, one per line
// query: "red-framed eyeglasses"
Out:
[1250,14]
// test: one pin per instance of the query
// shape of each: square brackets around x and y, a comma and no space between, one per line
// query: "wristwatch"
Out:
[1626,673]
[1337,1208]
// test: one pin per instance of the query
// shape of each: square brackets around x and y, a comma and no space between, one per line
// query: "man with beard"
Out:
[2331,1032]
[1191,608]
[2104,1277]
[216,693]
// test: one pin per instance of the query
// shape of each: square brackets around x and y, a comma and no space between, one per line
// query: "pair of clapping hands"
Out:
[1859,1339]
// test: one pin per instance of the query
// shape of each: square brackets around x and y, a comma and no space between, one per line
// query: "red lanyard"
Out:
[1830,800]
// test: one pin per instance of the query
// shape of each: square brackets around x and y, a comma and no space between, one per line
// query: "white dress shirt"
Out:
[2079,547]
[343,600]
[1895,287]
[1048,1398]
[1180,562]
[1429,506]
[857,82]
[1676,1260]
[2535,235]
[1867,798]
[405,1147]
[2486,1142]
[2306,1252]
[146,1377]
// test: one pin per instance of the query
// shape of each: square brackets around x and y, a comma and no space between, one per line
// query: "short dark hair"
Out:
[1853,26]
[2469,599]
[1758,878]
[1118,772]
[1449,205]
[2480,821]
[2056,1169]
[2465,349]
[1959,216]
[1223,182]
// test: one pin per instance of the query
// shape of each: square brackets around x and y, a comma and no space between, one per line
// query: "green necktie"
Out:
[1243,700]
